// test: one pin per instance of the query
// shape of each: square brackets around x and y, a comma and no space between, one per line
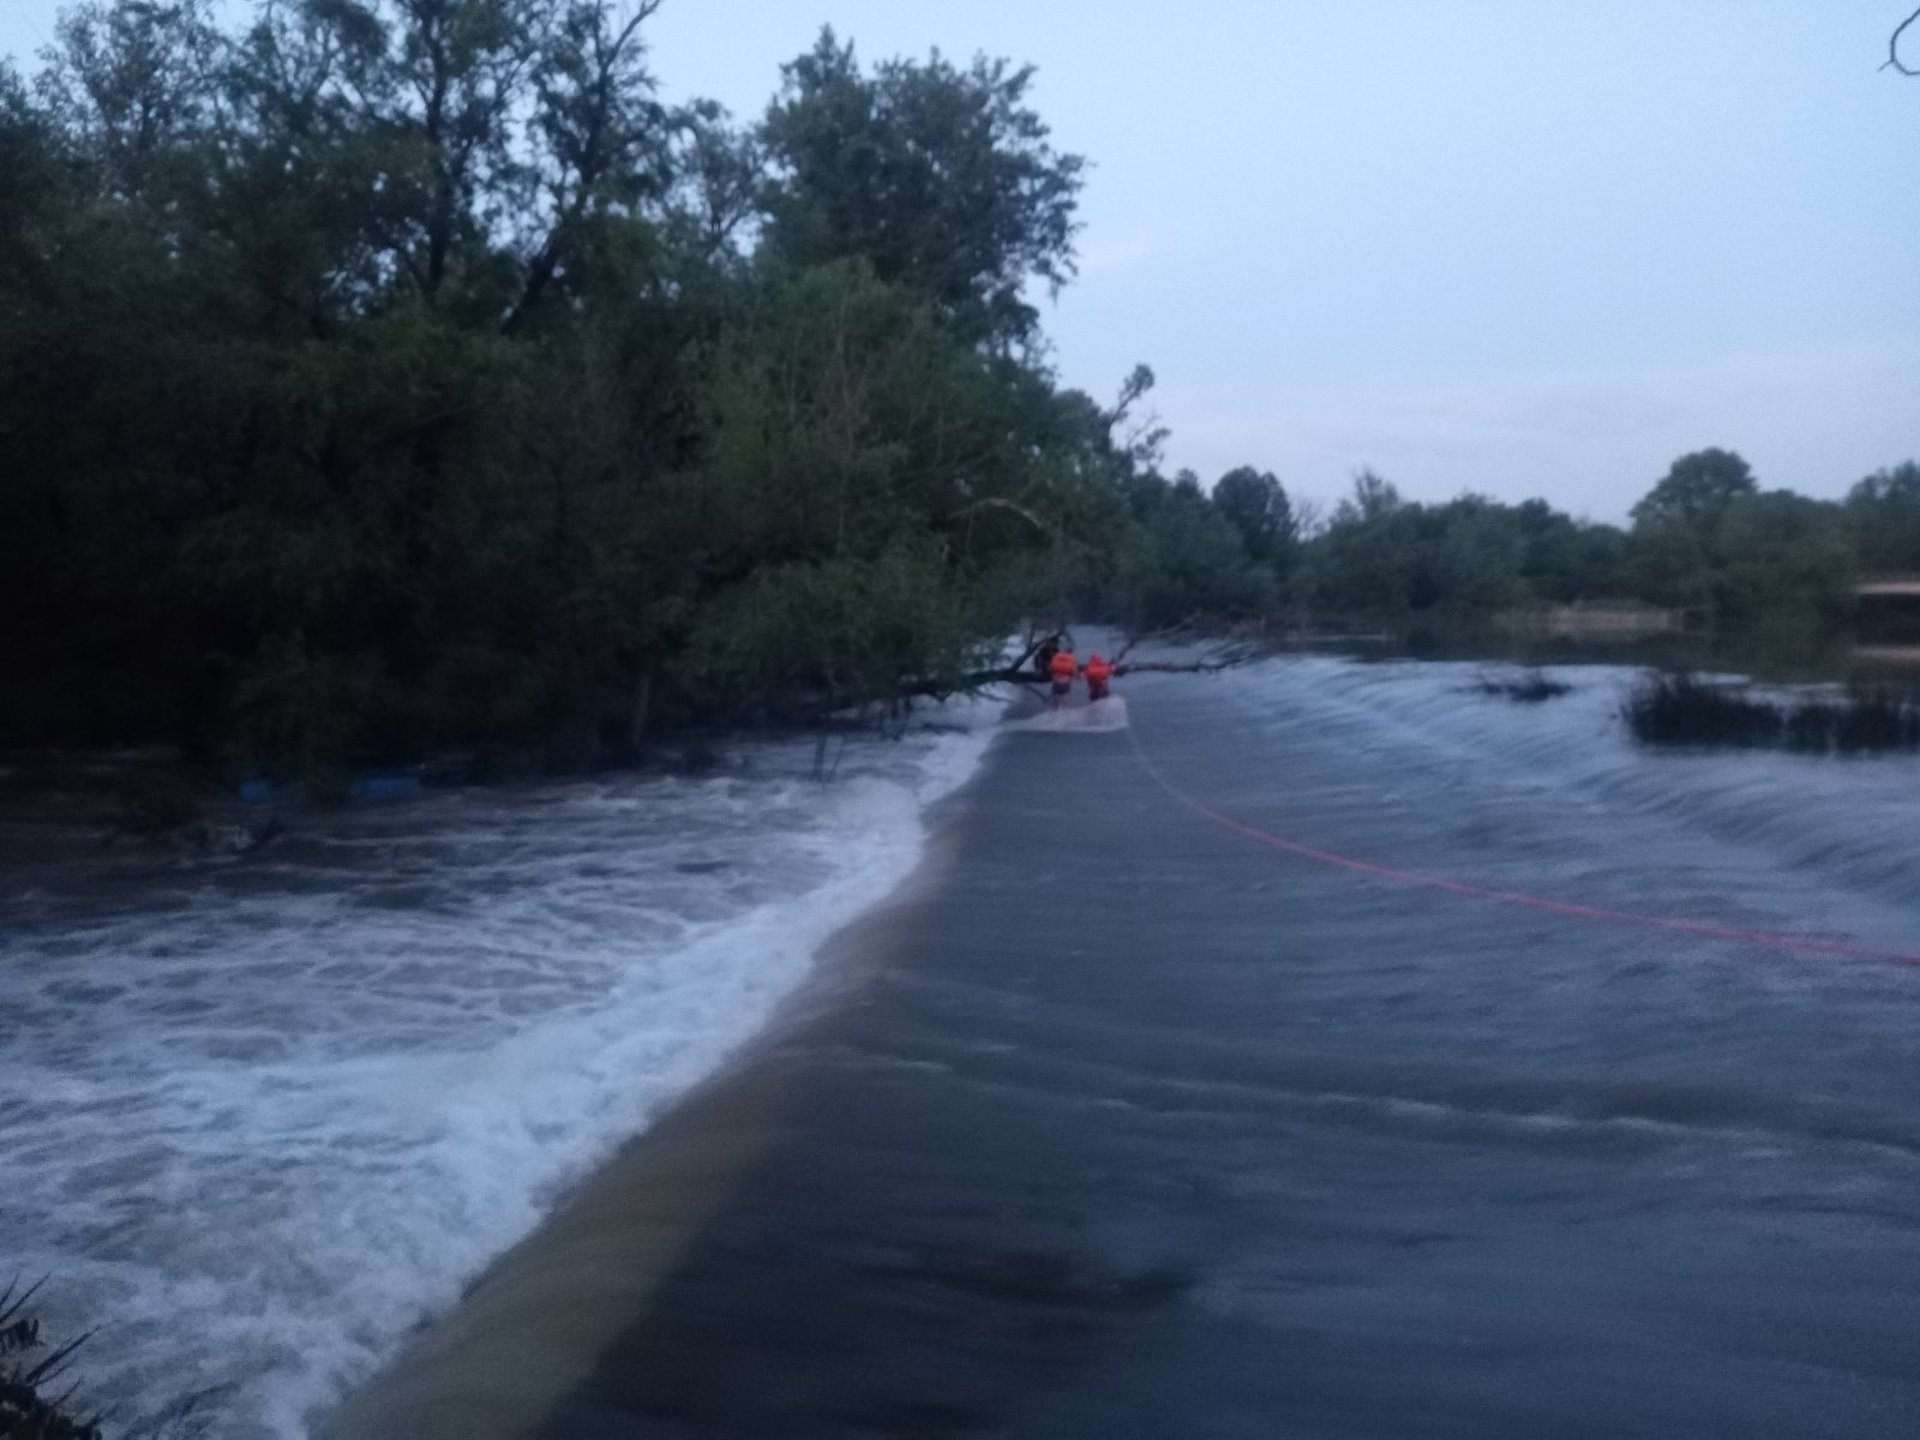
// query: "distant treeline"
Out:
[1706,540]
[393,375]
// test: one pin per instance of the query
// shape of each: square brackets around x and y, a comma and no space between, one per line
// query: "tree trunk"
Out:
[642,708]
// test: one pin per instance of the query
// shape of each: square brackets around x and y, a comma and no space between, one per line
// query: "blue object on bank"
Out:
[373,788]
[384,787]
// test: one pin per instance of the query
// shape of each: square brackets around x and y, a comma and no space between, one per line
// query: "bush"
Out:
[1528,687]
[1681,709]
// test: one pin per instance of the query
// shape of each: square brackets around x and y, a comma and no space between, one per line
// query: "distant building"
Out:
[1597,620]
[1887,609]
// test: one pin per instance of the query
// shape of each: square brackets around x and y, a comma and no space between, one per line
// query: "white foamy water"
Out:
[1834,838]
[1100,717]
[259,1121]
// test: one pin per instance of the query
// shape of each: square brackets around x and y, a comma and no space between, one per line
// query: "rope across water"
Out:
[1671,924]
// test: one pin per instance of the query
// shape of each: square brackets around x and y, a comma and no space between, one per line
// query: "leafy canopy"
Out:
[942,178]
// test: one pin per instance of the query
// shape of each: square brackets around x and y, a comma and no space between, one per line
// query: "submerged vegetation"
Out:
[1529,686]
[1679,708]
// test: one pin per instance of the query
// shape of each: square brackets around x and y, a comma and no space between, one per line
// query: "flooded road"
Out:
[1139,1128]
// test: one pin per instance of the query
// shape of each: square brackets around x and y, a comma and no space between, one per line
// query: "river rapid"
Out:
[260,1118]
[1357,1157]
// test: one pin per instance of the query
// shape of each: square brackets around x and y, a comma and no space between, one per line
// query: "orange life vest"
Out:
[1098,671]
[1064,666]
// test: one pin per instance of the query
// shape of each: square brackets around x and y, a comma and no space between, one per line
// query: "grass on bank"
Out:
[1679,708]
[39,1400]
[33,1406]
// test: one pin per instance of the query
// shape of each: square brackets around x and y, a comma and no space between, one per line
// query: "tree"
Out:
[1373,497]
[1695,489]
[1567,559]
[1183,560]
[941,178]
[1256,504]
[1143,437]
[1386,558]
[132,81]
[862,470]
[1884,510]
[1675,526]
[603,142]
[32,178]
[1783,557]
[389,374]
[1894,60]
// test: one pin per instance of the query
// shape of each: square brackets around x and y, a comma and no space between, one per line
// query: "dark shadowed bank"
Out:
[1116,1126]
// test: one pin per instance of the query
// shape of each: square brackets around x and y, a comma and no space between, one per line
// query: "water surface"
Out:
[1146,1129]
[260,1118]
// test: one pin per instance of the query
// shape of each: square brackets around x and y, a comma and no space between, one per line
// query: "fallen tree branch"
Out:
[1022,674]
[945,687]
[996,502]
[1894,62]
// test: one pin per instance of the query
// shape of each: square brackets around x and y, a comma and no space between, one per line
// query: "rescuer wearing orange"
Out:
[1099,674]
[1063,667]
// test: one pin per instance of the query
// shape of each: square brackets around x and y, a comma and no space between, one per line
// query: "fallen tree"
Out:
[1025,671]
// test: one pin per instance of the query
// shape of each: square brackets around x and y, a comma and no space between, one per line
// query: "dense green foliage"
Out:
[1883,513]
[402,373]
[941,179]
[1706,540]
[393,375]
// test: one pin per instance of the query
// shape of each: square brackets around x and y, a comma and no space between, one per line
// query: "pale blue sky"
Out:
[1517,246]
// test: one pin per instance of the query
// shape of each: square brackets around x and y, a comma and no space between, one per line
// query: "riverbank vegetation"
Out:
[1707,545]
[384,377]
[1678,708]
[388,377]
[1529,685]
[35,1402]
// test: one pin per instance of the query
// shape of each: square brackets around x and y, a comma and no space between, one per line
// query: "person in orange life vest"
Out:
[1063,667]
[1099,674]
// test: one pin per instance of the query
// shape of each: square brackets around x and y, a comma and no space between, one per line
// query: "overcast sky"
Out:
[1521,247]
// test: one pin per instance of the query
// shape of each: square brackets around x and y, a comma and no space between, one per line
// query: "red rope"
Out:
[1514,897]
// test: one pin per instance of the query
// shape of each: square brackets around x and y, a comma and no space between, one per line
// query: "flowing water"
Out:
[1410,765]
[1362,1156]
[1176,1109]
[259,1119]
